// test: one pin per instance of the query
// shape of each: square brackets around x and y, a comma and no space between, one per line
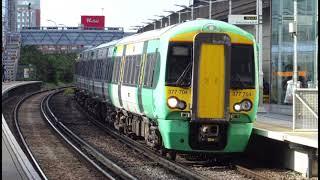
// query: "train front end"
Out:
[211,89]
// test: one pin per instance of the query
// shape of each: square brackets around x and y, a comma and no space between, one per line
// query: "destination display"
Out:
[243,19]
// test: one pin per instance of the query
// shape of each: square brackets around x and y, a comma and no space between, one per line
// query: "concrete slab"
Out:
[15,164]
[279,127]
[301,154]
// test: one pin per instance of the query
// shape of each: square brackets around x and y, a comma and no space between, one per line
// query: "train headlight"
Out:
[173,102]
[237,107]
[246,105]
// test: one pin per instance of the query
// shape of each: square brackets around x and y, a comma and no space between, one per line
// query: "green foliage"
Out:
[51,68]
[68,91]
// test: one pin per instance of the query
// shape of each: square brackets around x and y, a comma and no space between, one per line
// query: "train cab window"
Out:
[242,66]
[179,62]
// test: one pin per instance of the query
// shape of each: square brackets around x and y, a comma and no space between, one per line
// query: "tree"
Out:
[53,68]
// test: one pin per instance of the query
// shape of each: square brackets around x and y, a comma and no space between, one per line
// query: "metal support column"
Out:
[295,63]
[192,12]
[230,7]
[259,40]
[210,9]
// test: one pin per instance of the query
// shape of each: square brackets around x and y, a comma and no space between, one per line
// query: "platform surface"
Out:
[279,127]
[15,164]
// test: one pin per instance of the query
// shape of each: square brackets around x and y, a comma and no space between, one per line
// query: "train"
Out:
[186,88]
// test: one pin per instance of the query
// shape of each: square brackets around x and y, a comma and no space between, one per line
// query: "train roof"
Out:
[106,44]
[153,34]
[198,24]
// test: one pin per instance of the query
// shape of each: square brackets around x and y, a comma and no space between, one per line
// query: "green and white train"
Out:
[190,87]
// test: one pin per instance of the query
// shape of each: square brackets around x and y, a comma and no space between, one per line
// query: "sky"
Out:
[118,13]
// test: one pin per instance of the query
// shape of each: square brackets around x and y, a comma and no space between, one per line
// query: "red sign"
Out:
[92,22]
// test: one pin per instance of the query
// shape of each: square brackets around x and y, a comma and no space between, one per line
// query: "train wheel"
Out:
[163,151]
[172,155]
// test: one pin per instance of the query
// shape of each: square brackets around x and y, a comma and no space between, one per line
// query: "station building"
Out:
[277,44]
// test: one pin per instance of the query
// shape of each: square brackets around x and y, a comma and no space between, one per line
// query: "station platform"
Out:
[279,127]
[298,150]
[15,164]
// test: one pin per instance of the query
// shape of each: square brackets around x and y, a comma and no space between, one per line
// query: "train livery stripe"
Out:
[211,82]
[188,37]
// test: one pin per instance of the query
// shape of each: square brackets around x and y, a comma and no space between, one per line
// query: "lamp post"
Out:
[49,20]
[63,25]
[210,2]
[136,28]
[161,16]
[154,23]
[29,12]
[169,19]
[186,7]
[210,6]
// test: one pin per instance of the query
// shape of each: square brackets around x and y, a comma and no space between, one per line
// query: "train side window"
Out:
[110,69]
[116,69]
[125,69]
[149,69]
[136,69]
[96,73]
[134,58]
[131,70]
[146,72]
[86,69]
[90,68]
[99,68]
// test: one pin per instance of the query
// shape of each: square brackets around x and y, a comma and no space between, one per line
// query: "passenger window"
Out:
[149,69]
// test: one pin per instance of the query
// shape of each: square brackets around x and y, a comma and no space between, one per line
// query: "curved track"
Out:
[110,169]
[55,158]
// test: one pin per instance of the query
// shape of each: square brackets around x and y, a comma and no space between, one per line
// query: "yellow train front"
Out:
[211,88]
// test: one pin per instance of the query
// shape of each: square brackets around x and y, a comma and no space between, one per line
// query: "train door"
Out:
[210,81]
[121,74]
[140,81]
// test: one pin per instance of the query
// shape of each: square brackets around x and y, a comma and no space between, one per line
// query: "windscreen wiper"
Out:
[183,74]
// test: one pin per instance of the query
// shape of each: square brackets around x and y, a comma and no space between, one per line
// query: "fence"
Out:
[305,109]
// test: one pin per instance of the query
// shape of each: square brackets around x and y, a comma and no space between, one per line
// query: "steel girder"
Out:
[68,37]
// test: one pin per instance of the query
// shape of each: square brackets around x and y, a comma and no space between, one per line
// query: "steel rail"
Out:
[21,137]
[249,173]
[58,126]
[173,166]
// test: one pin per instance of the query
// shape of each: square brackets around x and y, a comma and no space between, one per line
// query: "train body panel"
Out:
[196,83]
[176,135]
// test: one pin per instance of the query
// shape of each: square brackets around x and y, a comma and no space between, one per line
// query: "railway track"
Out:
[54,159]
[106,166]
